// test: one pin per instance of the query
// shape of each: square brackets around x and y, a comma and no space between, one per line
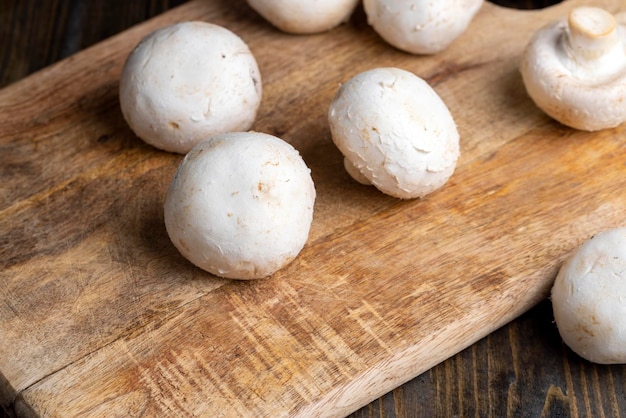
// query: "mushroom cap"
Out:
[393,128]
[187,82]
[240,205]
[420,26]
[587,95]
[304,16]
[589,298]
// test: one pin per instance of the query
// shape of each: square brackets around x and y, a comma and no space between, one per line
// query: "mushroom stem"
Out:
[592,34]
[355,173]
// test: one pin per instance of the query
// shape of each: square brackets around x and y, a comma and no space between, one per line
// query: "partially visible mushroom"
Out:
[304,16]
[395,132]
[421,26]
[589,298]
[189,81]
[574,69]
[240,205]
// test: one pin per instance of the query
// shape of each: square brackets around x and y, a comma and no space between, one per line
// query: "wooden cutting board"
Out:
[100,315]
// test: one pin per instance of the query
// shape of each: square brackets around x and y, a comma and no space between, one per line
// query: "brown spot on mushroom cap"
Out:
[183,245]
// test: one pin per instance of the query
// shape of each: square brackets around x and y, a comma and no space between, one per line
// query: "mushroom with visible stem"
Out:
[395,132]
[189,81]
[304,16]
[421,26]
[574,69]
[240,205]
[589,298]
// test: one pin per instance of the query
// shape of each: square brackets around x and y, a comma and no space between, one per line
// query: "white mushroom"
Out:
[589,298]
[395,132]
[240,205]
[304,16]
[574,69]
[421,26]
[189,81]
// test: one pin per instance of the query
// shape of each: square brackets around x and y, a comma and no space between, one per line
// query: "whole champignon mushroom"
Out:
[574,69]
[189,81]
[304,16]
[240,205]
[421,26]
[395,132]
[589,298]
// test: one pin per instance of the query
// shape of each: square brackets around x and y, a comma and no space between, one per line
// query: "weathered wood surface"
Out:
[100,314]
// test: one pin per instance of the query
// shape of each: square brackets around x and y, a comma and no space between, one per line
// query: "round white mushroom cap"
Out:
[589,298]
[420,26]
[395,132]
[574,69]
[304,16]
[240,205]
[187,82]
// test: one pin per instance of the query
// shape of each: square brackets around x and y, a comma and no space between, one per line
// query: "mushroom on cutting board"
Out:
[240,205]
[589,298]
[189,81]
[421,26]
[574,69]
[304,16]
[394,132]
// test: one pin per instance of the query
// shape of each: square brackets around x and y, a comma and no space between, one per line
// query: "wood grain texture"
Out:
[110,319]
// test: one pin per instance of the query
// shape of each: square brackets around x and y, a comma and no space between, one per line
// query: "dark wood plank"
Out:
[521,370]
[35,34]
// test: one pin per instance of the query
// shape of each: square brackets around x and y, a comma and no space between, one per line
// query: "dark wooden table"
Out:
[521,370]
